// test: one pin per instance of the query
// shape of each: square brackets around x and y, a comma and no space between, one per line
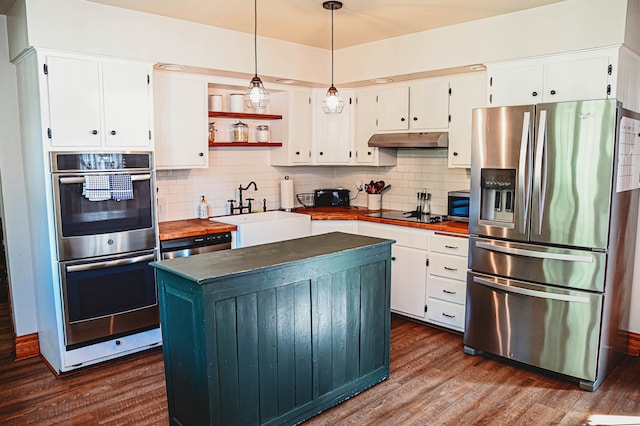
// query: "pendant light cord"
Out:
[332,46]
[255,35]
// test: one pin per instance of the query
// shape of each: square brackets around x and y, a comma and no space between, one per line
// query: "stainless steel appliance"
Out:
[411,217]
[553,218]
[331,197]
[105,245]
[458,205]
[188,246]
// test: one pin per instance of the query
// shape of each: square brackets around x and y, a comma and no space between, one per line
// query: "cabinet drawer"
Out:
[443,265]
[457,246]
[445,313]
[447,289]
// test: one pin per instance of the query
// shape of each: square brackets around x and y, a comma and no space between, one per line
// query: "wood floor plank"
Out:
[432,382]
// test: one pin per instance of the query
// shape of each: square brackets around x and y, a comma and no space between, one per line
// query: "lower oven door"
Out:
[108,297]
[548,327]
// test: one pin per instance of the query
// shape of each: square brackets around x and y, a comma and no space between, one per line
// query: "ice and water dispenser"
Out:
[497,195]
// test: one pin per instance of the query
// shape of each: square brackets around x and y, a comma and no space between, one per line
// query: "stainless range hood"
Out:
[410,140]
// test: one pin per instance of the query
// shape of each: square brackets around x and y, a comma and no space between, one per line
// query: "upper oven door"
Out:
[87,228]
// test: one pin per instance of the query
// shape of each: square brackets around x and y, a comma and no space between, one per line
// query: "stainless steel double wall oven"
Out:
[105,246]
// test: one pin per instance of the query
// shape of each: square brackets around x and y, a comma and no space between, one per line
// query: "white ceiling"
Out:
[307,22]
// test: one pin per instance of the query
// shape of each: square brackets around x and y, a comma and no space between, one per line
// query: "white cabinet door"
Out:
[468,91]
[333,141]
[392,108]
[181,122]
[300,127]
[576,80]
[365,126]
[74,102]
[126,104]
[408,280]
[518,85]
[429,105]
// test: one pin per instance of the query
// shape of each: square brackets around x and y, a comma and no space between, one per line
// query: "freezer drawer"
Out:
[579,269]
[543,326]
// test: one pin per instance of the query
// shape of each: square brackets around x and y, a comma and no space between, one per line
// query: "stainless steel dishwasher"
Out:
[182,247]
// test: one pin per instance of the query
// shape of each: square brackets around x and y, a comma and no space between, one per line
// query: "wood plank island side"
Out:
[275,333]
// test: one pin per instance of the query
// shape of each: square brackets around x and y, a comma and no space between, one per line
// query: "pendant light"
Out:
[256,96]
[332,103]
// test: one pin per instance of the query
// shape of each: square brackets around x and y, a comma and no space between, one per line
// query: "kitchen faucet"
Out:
[241,207]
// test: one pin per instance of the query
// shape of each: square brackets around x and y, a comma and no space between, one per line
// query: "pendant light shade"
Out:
[332,103]
[256,96]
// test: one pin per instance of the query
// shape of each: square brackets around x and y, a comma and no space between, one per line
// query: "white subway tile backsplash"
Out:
[181,190]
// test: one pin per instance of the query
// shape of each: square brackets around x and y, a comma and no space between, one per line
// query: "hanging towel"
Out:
[97,187]
[121,187]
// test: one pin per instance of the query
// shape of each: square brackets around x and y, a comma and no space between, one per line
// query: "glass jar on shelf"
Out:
[240,132]
[262,133]
[212,132]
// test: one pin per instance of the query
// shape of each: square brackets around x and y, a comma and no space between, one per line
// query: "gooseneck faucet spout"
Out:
[241,207]
[255,187]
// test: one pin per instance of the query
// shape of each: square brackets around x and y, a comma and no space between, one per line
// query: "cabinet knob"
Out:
[455,154]
[393,258]
[297,152]
[321,153]
[113,132]
[369,152]
[553,92]
[402,119]
[415,118]
[201,154]
[94,132]
[534,93]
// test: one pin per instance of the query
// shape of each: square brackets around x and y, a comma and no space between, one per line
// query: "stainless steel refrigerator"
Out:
[553,215]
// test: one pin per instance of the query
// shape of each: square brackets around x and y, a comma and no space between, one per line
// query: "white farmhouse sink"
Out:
[267,227]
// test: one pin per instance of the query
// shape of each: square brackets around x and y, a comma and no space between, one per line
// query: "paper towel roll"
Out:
[286,195]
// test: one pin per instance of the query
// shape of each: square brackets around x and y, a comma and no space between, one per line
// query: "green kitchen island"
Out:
[275,333]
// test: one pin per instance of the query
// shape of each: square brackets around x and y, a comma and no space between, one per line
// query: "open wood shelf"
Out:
[245,144]
[245,115]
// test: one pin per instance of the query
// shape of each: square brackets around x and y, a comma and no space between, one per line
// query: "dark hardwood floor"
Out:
[432,382]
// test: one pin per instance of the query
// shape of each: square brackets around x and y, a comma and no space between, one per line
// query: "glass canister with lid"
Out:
[262,133]
[240,132]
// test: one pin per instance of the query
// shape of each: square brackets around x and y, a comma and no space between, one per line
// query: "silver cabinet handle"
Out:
[109,263]
[532,253]
[450,269]
[448,316]
[451,247]
[448,292]
[532,293]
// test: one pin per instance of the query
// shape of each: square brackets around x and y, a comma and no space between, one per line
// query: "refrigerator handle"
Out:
[533,253]
[528,292]
[540,176]
[524,191]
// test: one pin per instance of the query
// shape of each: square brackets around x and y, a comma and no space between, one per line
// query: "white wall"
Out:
[179,191]
[13,189]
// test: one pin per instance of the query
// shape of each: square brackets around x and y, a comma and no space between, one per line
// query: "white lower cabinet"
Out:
[325,226]
[408,266]
[446,280]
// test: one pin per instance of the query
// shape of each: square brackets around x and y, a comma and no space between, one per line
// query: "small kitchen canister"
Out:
[240,132]
[262,133]
[236,102]
[215,102]
[374,201]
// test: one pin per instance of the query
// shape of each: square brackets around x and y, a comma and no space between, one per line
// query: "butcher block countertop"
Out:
[193,227]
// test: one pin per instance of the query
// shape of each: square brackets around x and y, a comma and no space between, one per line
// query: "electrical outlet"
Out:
[359,185]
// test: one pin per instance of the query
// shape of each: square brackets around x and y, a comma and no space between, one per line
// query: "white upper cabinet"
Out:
[429,104]
[422,105]
[392,109]
[365,117]
[333,133]
[180,105]
[98,103]
[296,128]
[558,78]
[468,91]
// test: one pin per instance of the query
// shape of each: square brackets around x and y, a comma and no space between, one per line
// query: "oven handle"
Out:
[80,179]
[109,263]
[533,293]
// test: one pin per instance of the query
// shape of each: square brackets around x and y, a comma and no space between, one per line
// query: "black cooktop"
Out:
[413,216]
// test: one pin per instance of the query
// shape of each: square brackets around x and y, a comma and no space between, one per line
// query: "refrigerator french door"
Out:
[553,223]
